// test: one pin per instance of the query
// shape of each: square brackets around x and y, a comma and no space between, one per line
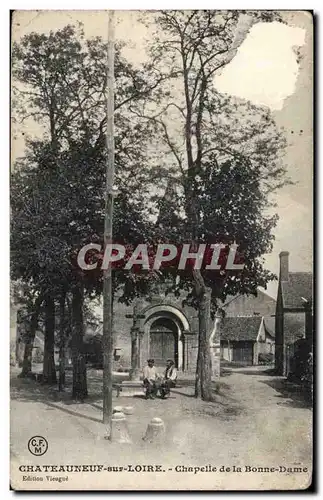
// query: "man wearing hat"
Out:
[150,377]
[170,378]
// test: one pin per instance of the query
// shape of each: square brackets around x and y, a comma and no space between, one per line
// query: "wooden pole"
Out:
[108,226]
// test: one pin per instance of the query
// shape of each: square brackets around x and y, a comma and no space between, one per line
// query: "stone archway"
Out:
[164,334]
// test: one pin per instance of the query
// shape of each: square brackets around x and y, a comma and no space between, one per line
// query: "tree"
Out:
[205,137]
[62,89]
[49,227]
[28,322]
[61,80]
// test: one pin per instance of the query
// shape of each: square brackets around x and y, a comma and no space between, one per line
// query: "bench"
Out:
[132,388]
[129,388]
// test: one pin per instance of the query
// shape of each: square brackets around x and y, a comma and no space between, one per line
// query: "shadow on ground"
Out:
[257,370]
[293,395]
[182,398]
[28,390]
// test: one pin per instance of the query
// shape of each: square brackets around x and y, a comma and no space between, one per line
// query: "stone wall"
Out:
[248,305]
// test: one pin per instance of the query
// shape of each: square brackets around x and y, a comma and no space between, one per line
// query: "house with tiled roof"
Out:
[293,313]
[243,338]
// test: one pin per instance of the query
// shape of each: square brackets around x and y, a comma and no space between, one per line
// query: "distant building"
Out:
[247,329]
[244,338]
[293,312]
[167,329]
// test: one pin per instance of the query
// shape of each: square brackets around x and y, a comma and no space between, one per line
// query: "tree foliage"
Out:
[58,187]
[207,163]
[222,153]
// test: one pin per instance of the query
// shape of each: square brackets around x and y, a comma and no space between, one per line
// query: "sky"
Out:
[266,65]
[266,72]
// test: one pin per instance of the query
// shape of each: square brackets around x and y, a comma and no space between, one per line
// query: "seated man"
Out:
[150,377]
[169,380]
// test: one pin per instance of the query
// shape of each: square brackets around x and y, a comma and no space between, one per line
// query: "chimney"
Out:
[283,271]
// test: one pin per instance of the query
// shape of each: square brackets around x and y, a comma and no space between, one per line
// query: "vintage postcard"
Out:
[161,250]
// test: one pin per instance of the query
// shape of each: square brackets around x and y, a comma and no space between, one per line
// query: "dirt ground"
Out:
[257,421]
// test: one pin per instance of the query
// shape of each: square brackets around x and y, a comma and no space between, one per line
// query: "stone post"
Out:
[119,429]
[155,432]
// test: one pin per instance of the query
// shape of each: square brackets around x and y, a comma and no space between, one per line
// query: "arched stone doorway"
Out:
[164,329]
[163,341]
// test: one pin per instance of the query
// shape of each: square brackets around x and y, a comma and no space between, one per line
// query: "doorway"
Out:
[163,343]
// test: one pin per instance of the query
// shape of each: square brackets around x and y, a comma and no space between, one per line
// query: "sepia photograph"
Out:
[161,250]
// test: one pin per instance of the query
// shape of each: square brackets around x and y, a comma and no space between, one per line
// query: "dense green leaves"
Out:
[224,154]
[58,188]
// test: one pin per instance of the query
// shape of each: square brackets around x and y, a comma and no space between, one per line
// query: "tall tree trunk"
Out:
[203,381]
[62,342]
[28,351]
[49,369]
[20,347]
[198,373]
[79,366]
[29,339]
[204,364]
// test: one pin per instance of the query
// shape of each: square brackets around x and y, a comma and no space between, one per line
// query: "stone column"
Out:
[135,368]
[135,342]
[141,333]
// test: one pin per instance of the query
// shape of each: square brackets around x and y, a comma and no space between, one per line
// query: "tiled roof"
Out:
[240,328]
[298,285]
[270,325]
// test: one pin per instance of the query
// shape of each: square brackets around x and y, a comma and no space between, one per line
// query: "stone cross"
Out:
[135,333]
